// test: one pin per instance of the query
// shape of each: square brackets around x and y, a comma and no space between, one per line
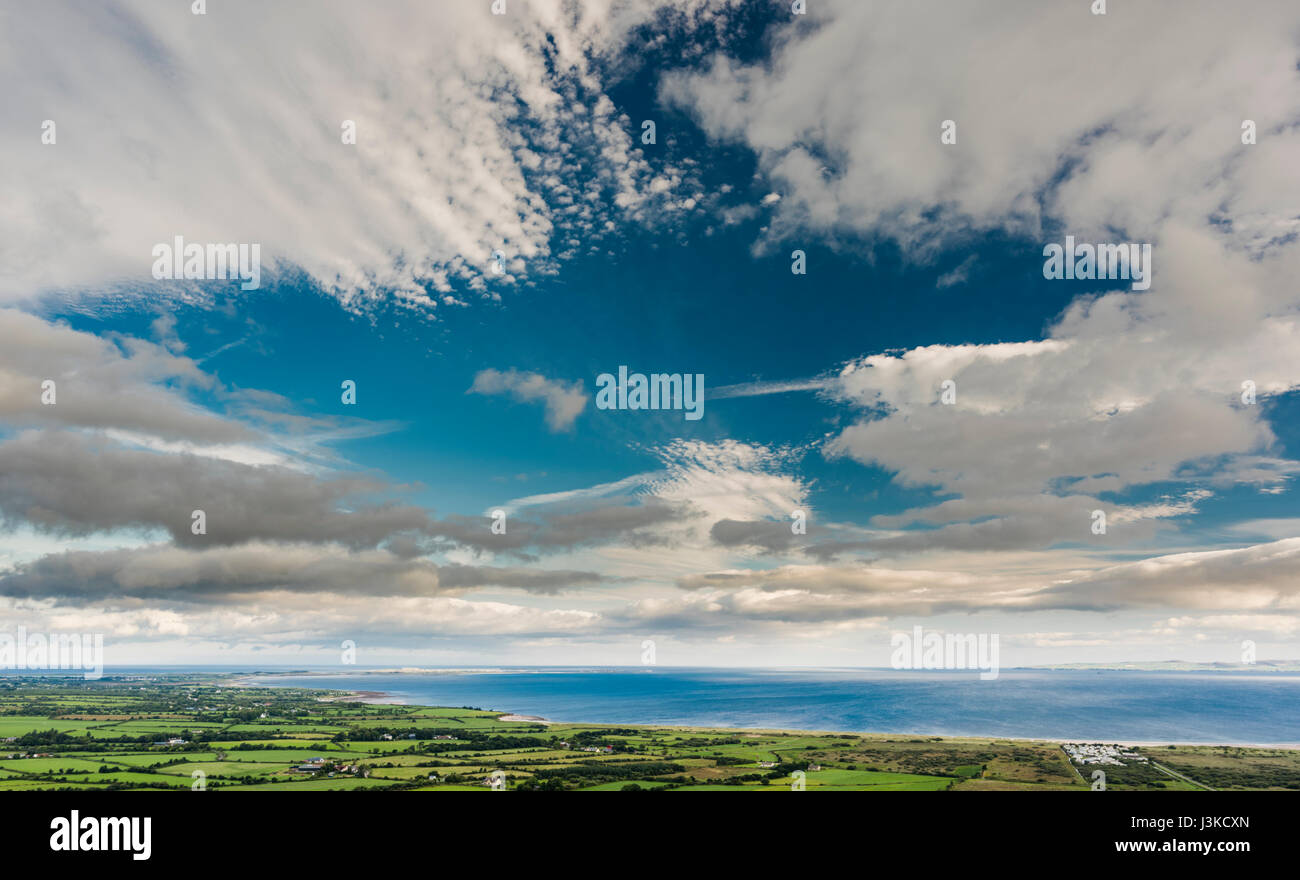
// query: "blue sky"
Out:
[520,137]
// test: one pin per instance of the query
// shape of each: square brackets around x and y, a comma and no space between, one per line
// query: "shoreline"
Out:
[1279,667]
[391,699]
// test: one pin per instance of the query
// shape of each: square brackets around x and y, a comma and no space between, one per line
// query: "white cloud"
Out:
[280,620]
[1263,577]
[731,479]
[475,133]
[846,122]
[564,401]
[1066,121]
[1279,625]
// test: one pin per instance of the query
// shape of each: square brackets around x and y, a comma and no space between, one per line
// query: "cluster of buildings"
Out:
[315,764]
[1101,753]
[599,749]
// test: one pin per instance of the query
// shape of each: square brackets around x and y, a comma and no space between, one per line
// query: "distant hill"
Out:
[1184,666]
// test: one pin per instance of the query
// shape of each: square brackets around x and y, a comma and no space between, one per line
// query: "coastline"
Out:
[388,698]
[345,695]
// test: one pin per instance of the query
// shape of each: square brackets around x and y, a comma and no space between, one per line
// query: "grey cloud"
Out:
[100,384]
[603,524]
[533,580]
[1263,577]
[767,535]
[1034,522]
[164,573]
[550,531]
[76,484]
[826,551]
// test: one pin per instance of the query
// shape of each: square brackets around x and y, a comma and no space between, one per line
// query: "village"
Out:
[1101,753]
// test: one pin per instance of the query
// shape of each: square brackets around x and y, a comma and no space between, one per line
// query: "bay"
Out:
[1096,705]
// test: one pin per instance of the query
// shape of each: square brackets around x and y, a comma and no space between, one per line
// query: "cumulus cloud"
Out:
[488,152]
[564,401]
[1102,414]
[1109,137]
[1108,130]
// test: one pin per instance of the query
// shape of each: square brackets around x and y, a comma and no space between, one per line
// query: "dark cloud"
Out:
[120,383]
[552,532]
[775,537]
[604,524]
[75,484]
[533,580]
[166,573]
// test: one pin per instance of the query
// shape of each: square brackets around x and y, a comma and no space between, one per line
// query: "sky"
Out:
[463,219]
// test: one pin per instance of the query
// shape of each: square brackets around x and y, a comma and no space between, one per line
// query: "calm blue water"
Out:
[1091,705]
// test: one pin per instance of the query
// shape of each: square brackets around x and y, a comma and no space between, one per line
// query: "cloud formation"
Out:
[564,401]
[477,139]
[170,574]
[1110,137]
[489,152]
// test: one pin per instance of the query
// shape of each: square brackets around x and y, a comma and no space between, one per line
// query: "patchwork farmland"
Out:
[200,733]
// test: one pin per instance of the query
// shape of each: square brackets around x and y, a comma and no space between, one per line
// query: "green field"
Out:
[112,734]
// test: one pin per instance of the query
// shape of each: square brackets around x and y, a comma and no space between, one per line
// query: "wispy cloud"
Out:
[776,386]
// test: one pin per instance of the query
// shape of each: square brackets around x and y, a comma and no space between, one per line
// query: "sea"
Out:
[1092,705]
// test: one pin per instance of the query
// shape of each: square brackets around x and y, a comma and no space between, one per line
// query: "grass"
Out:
[78,727]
